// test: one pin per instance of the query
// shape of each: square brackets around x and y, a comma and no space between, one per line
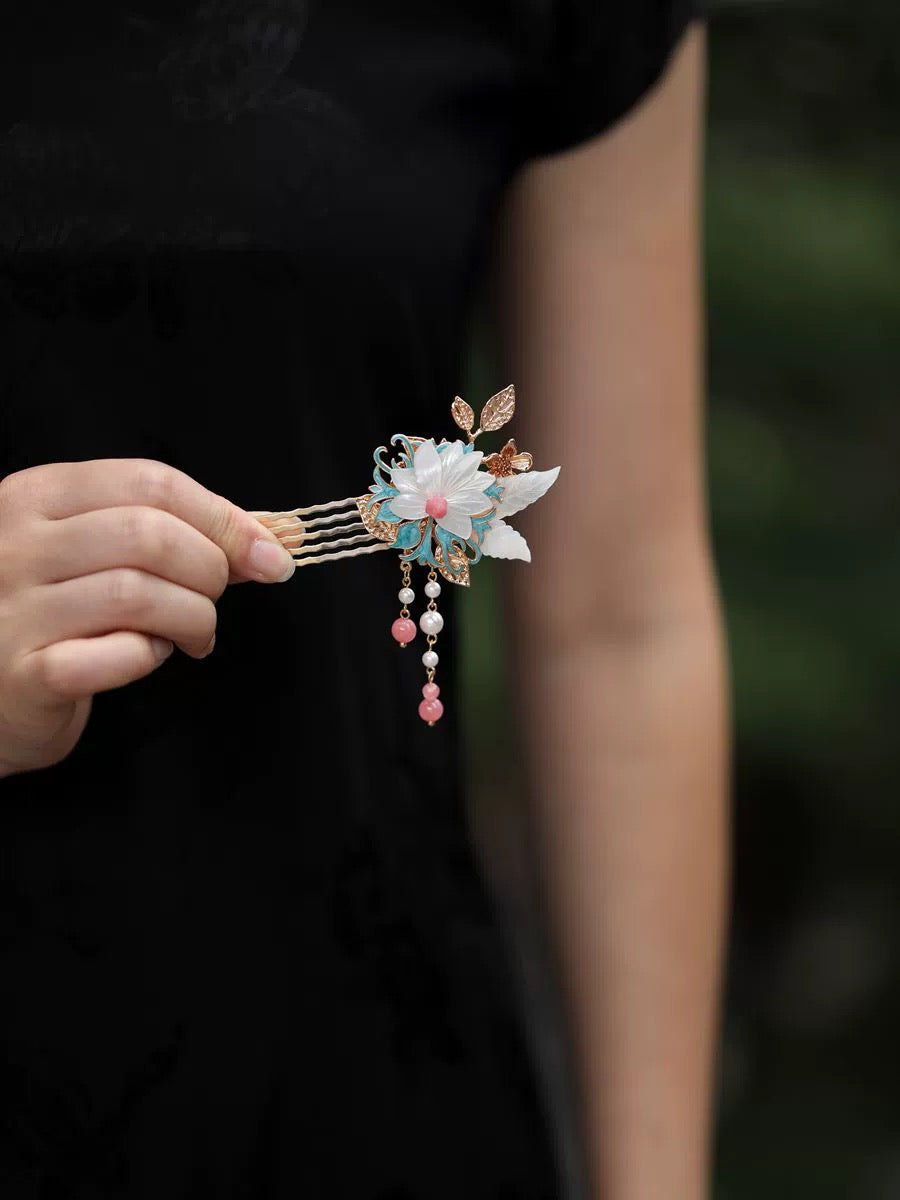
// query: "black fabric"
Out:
[601,59]
[244,948]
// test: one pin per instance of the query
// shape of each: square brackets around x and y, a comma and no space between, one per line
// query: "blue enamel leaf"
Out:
[408,535]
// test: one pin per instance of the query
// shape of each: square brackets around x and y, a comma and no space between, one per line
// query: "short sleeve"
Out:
[603,56]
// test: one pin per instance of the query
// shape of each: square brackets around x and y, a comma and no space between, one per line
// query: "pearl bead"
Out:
[431,623]
[403,630]
[431,691]
[430,659]
[432,589]
[431,711]
[406,595]
[436,507]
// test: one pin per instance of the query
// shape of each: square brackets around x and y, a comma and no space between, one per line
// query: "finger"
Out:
[65,489]
[124,599]
[146,538]
[80,667]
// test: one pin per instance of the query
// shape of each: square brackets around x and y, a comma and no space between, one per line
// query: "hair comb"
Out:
[439,505]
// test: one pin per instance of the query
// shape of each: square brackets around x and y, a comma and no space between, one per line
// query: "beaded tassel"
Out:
[431,623]
[403,629]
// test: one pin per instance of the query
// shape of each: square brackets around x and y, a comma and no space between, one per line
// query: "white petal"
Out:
[404,479]
[409,506]
[461,468]
[502,541]
[471,502]
[474,487]
[450,457]
[428,468]
[521,490]
[457,523]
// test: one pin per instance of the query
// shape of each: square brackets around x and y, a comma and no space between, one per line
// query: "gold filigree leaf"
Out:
[462,414]
[460,563]
[498,410]
[385,531]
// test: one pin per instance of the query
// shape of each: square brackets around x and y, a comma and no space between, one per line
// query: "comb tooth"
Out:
[323,538]
[323,535]
[281,524]
[302,534]
[308,562]
[316,547]
[339,516]
[311,508]
[319,537]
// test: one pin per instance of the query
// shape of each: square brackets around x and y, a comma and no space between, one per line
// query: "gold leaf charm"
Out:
[498,410]
[462,414]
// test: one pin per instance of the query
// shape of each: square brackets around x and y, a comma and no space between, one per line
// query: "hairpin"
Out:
[441,505]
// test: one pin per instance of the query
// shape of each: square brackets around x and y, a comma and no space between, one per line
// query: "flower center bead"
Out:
[436,506]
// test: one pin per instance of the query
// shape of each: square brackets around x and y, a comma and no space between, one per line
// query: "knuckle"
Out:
[12,565]
[18,673]
[8,486]
[149,533]
[51,671]
[155,483]
[207,622]
[202,627]
[220,573]
[20,489]
[127,592]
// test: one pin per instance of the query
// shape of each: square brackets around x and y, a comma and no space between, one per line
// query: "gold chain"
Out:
[406,568]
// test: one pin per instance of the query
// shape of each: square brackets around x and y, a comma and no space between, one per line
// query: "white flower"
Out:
[501,540]
[446,486]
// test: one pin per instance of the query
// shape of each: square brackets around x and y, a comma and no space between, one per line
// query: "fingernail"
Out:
[161,648]
[271,562]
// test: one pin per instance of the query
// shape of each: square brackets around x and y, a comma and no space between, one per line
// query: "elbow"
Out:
[624,604]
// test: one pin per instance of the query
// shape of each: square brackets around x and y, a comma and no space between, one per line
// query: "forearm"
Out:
[627,745]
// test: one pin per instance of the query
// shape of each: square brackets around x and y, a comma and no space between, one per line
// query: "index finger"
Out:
[67,489]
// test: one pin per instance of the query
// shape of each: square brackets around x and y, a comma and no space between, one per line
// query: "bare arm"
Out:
[617,627]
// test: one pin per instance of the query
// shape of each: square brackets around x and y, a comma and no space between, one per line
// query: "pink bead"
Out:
[436,507]
[403,630]
[431,710]
[431,691]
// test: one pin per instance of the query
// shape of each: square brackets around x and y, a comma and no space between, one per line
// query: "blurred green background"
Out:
[803,252]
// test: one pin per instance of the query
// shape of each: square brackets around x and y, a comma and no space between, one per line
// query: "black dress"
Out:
[244,950]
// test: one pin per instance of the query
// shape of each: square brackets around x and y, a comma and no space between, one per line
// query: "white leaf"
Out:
[521,490]
[502,541]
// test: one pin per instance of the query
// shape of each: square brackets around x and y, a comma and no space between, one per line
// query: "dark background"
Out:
[803,254]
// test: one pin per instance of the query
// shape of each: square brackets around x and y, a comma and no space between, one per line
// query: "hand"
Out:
[105,565]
